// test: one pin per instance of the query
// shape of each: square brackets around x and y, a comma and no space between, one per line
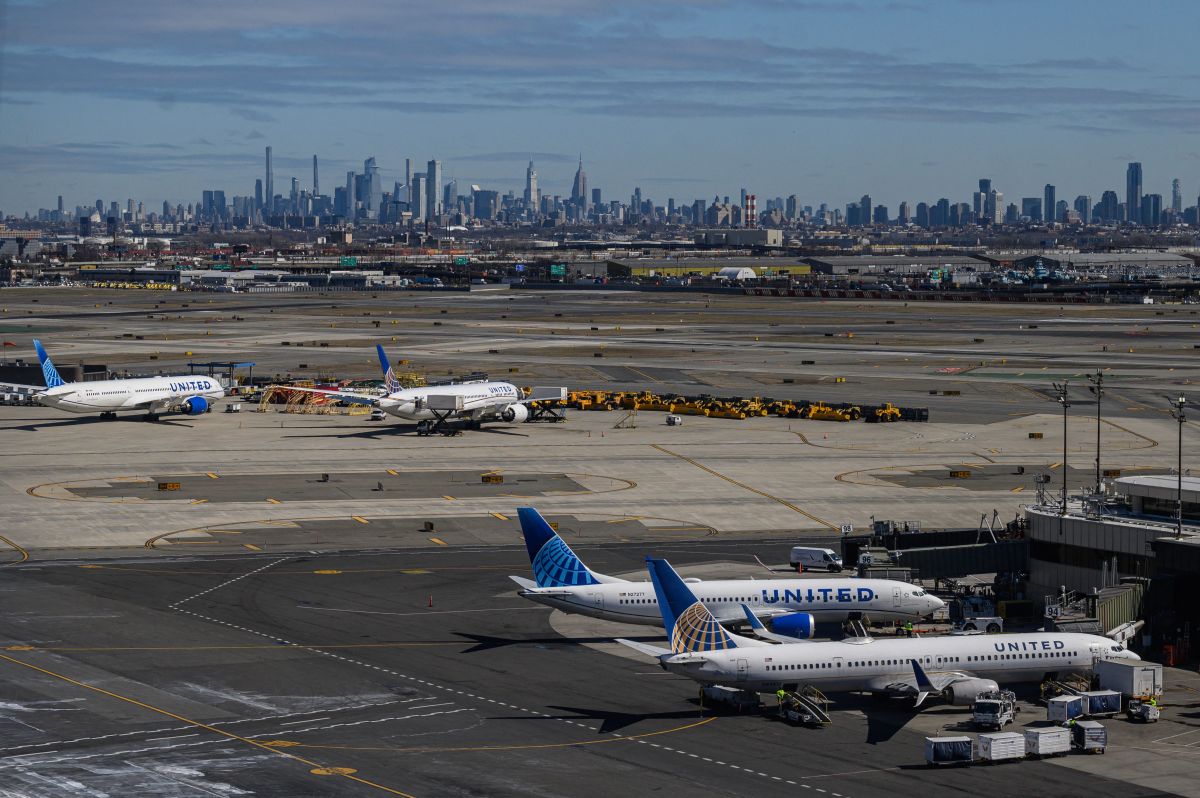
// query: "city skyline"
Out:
[906,100]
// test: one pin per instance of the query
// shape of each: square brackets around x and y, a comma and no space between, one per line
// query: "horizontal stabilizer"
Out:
[526,584]
[643,648]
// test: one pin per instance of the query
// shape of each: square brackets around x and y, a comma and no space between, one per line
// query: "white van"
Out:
[806,558]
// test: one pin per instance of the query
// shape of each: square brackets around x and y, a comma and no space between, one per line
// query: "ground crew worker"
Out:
[780,695]
[908,628]
[1153,701]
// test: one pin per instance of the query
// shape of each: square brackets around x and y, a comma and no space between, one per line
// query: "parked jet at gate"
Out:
[432,407]
[793,605]
[190,394]
[957,668]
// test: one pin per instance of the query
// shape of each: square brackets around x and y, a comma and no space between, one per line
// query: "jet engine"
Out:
[194,406]
[963,693]
[515,414]
[799,625]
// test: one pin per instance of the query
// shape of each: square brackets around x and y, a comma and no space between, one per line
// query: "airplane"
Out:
[189,394]
[794,606]
[473,401]
[957,668]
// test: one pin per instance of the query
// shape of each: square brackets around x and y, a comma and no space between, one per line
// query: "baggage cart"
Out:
[949,751]
[1001,746]
[1101,703]
[1061,709]
[730,699]
[1089,736]
[1047,741]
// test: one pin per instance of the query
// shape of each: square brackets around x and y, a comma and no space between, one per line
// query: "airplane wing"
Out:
[543,393]
[920,684]
[343,396]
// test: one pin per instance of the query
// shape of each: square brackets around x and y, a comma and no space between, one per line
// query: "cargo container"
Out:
[1089,736]
[949,751]
[1001,746]
[1061,709]
[1048,741]
[1101,703]
[728,698]
[1130,679]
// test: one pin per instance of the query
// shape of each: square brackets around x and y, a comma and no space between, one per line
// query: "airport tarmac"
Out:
[422,673]
[262,606]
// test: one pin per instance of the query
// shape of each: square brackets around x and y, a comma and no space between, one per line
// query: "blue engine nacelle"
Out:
[195,406]
[799,625]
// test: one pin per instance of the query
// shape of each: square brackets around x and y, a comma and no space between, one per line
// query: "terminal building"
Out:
[1127,536]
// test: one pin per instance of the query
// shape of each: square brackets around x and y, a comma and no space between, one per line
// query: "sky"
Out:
[904,100]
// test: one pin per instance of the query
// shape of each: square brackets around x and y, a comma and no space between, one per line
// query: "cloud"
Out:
[252,115]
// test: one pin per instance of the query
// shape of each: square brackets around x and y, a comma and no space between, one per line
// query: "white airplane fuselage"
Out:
[824,599]
[869,664]
[137,394]
[480,400]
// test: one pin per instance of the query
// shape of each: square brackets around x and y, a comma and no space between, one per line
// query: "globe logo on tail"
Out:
[557,566]
[390,381]
[697,630]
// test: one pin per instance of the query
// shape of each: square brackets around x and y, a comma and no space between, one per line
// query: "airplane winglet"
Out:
[925,687]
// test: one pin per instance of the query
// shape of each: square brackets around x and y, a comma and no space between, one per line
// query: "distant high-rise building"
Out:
[269,186]
[791,209]
[1151,209]
[1176,196]
[864,209]
[985,185]
[1133,192]
[531,187]
[1049,204]
[579,186]
[316,182]
[1083,206]
[596,203]
[1110,208]
[1031,208]
[922,217]
[904,215]
[450,197]
[433,189]
[258,194]
[60,204]
[994,207]
[351,197]
[294,196]
[420,198]
[372,188]
[940,215]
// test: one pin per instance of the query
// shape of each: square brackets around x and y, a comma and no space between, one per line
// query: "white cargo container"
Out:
[999,746]
[1130,679]
[1062,708]
[949,750]
[1048,741]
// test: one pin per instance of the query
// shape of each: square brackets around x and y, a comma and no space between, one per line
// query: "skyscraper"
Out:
[258,194]
[1083,206]
[420,198]
[316,182]
[1133,192]
[372,188]
[433,188]
[1176,196]
[579,187]
[1049,205]
[531,187]
[350,196]
[270,184]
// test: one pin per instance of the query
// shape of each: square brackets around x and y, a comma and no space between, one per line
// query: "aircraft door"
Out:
[598,600]
[896,597]
[743,669]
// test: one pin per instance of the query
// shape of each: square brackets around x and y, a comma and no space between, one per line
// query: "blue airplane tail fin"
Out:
[554,564]
[688,622]
[390,382]
[49,373]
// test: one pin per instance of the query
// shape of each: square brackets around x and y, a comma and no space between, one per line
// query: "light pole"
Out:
[1097,388]
[1177,414]
[1061,391]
